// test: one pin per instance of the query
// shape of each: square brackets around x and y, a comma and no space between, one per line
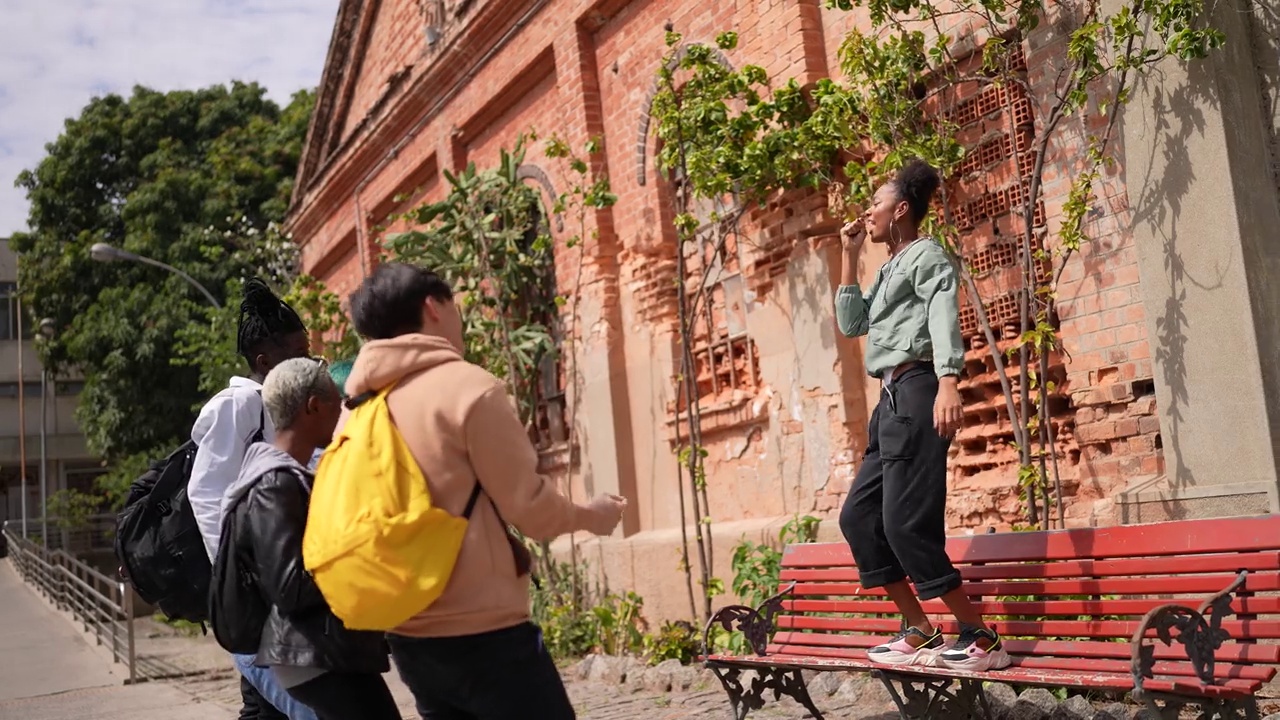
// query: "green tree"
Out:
[195,179]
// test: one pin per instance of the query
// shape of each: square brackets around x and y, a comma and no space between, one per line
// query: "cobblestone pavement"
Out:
[600,701]
[595,700]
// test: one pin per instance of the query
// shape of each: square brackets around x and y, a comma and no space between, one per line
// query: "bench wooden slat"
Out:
[853,644]
[1187,538]
[1258,629]
[1229,688]
[1132,607]
[1233,564]
[1195,584]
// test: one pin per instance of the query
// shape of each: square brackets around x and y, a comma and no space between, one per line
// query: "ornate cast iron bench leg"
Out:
[920,698]
[756,625]
[1200,633]
[782,681]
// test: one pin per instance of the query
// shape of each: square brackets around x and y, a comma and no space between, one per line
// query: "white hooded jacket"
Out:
[223,432]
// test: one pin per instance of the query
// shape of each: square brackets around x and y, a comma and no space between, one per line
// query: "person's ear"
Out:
[902,210]
[433,310]
[261,363]
[313,405]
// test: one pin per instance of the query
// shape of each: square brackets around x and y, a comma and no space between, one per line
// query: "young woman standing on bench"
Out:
[894,516]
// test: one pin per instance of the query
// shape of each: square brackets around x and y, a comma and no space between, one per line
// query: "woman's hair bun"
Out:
[916,183]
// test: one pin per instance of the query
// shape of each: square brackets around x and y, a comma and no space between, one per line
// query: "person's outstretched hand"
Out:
[605,512]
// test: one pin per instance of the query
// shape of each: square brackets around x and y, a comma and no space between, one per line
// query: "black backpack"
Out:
[157,540]
[237,609]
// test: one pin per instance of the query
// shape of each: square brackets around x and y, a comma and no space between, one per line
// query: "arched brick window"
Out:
[549,429]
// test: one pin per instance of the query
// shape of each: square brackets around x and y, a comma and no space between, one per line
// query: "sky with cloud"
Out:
[56,55]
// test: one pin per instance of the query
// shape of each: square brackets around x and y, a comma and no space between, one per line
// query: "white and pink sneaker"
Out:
[976,650]
[909,647]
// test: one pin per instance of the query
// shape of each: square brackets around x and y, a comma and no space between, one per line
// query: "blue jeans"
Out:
[264,681]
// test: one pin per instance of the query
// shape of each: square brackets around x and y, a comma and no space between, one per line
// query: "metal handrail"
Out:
[95,532]
[102,605]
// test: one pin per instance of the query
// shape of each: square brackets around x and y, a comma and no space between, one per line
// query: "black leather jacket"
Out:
[301,632]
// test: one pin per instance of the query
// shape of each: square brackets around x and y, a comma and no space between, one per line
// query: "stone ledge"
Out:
[1157,499]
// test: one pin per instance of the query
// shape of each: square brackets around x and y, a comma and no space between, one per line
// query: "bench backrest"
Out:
[1077,593]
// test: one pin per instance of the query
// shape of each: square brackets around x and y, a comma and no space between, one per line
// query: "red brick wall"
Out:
[396,40]
[791,443]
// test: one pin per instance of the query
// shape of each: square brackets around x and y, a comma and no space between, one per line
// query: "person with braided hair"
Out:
[269,333]
[894,517]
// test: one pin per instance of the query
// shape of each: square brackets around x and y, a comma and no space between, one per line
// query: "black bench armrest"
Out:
[756,624]
[1199,631]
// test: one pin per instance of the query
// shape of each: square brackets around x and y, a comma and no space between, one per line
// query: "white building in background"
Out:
[69,462]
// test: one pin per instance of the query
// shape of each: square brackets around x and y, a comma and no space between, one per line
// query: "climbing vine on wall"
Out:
[916,82]
[909,78]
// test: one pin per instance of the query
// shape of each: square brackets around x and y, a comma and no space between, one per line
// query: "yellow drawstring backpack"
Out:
[379,550]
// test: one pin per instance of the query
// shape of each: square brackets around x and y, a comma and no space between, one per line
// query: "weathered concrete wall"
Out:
[1199,167]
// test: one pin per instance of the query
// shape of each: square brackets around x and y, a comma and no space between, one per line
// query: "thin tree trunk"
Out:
[688,371]
[693,460]
[684,531]
[1048,438]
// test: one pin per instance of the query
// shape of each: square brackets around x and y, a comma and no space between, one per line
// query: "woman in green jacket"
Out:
[895,515]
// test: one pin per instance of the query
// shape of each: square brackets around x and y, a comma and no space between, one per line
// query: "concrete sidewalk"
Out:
[48,670]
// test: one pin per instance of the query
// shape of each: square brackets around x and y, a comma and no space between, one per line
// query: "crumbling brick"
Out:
[397,113]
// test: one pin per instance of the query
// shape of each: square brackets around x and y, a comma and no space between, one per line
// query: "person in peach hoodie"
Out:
[474,654]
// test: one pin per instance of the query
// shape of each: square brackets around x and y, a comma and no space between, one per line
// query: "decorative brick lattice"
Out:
[725,358]
[987,205]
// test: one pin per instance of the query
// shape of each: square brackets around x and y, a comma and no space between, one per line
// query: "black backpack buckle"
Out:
[164,507]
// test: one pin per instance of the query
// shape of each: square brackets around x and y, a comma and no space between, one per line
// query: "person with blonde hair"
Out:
[335,671]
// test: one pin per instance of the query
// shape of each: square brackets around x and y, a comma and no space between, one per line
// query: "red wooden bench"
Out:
[1139,608]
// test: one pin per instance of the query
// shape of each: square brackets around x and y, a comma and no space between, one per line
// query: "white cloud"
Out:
[56,56]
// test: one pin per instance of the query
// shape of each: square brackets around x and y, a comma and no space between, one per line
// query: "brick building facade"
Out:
[415,87]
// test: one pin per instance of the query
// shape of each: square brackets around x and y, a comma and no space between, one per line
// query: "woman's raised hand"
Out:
[852,235]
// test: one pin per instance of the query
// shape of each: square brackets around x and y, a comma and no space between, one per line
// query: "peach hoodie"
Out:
[462,427]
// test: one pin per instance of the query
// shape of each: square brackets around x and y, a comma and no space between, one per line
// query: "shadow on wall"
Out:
[1265,26]
[1175,117]
[1264,22]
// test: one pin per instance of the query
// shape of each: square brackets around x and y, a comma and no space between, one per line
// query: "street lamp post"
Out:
[103,252]
[22,417]
[47,330]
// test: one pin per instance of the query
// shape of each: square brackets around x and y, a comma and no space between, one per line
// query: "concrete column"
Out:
[600,394]
[1205,216]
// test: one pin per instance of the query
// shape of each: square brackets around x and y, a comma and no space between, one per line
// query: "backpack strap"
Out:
[524,560]
[471,503]
[362,398]
[261,435]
